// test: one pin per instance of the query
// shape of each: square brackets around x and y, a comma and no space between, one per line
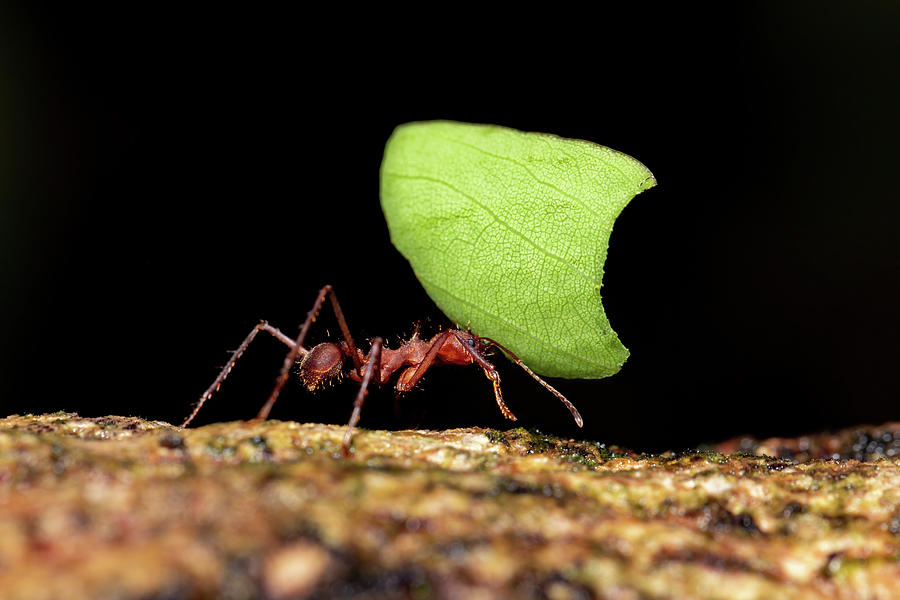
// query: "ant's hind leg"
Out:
[373,364]
[226,370]
[297,347]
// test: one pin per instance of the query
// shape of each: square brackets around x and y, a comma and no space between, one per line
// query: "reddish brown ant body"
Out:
[412,359]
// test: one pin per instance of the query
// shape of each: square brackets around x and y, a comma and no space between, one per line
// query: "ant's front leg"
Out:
[291,357]
[373,365]
[490,371]
[574,411]
[404,384]
[226,370]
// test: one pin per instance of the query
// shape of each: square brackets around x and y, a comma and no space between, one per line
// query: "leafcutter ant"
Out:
[412,359]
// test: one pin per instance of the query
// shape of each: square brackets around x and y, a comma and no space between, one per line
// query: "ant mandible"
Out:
[326,361]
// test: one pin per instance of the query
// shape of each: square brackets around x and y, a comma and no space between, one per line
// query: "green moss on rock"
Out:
[119,507]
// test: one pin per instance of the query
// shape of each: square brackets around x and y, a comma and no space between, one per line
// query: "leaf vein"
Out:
[548,184]
[500,221]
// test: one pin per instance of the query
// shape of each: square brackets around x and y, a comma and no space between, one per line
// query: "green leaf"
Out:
[508,231]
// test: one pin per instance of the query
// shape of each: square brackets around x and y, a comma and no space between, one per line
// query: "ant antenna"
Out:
[547,386]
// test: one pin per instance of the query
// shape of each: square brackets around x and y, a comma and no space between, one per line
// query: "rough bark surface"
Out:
[123,508]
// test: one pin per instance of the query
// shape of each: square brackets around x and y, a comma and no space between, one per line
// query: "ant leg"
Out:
[373,365]
[427,361]
[226,370]
[551,389]
[490,371]
[296,345]
[575,414]
[345,331]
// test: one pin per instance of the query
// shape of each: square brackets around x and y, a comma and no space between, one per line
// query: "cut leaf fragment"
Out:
[508,231]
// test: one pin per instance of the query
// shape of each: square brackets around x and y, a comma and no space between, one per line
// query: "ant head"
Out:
[320,365]
[480,344]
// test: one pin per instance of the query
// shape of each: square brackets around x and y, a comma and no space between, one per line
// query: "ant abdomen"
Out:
[321,364]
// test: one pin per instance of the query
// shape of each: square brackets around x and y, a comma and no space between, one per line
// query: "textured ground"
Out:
[119,507]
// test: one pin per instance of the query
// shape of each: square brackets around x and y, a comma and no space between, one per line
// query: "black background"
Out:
[172,176]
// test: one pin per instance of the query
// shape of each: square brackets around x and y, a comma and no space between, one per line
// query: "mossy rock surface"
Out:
[119,507]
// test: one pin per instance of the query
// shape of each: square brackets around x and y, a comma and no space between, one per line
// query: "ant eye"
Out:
[471,342]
